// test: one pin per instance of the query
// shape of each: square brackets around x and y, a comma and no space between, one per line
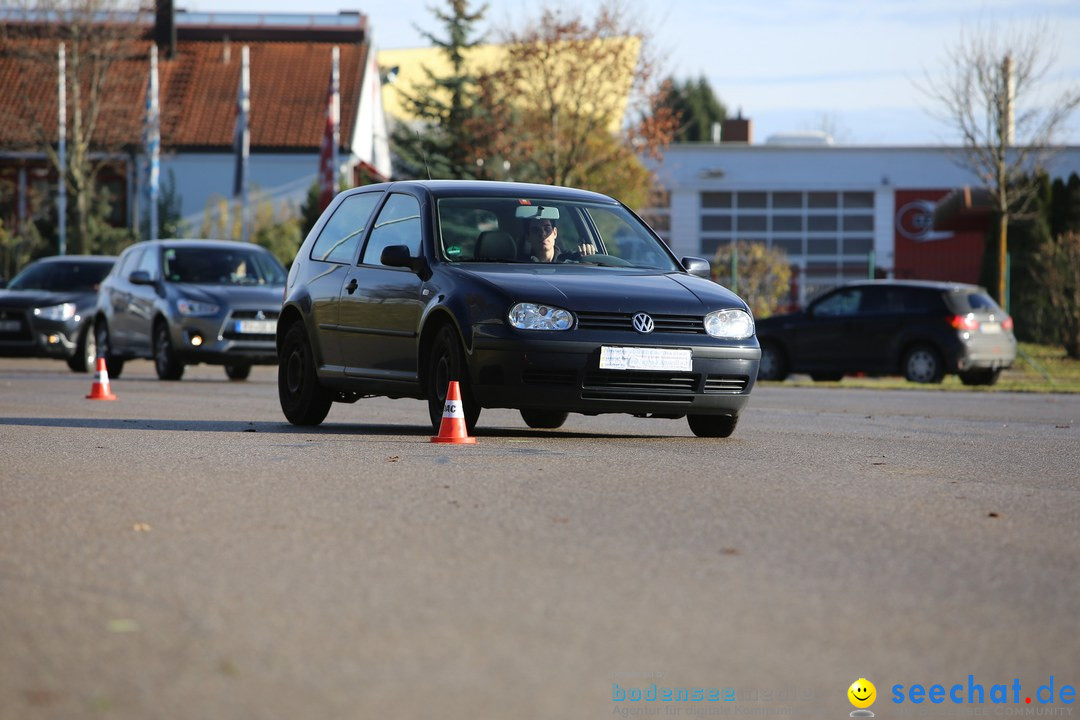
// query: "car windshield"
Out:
[61,276]
[495,229]
[221,266]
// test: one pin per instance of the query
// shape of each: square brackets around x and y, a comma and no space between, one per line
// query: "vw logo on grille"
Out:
[643,323]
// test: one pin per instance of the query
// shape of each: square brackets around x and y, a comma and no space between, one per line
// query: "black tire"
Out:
[774,363]
[544,419]
[303,399]
[981,376]
[445,363]
[113,364]
[712,426]
[827,377]
[165,362]
[238,371]
[923,364]
[85,351]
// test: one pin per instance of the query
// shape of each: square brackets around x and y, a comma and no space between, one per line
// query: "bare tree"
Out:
[98,36]
[1058,263]
[993,93]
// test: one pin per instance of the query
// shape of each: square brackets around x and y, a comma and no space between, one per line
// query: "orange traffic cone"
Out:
[100,389]
[452,429]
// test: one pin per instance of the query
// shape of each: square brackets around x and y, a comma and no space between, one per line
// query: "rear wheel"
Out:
[113,364]
[923,364]
[303,399]
[774,364]
[85,351]
[238,371]
[165,362]
[544,419]
[445,363]
[982,376]
[712,426]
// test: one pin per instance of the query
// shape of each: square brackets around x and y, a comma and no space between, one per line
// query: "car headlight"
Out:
[729,324]
[530,316]
[193,307]
[63,311]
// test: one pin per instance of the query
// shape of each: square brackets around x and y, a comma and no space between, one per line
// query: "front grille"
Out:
[540,376]
[687,324]
[251,314]
[671,387]
[726,384]
[14,326]
[230,327]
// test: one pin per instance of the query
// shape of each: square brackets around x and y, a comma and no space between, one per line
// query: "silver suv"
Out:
[183,302]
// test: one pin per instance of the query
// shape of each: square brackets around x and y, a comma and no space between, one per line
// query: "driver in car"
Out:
[540,239]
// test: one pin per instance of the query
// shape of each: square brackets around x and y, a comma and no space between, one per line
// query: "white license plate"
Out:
[9,325]
[256,327]
[638,358]
[991,328]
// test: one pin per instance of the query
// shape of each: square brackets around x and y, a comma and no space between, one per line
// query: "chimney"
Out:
[165,27]
[737,129]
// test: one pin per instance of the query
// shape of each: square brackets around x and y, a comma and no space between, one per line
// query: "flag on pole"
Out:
[328,157]
[242,141]
[152,139]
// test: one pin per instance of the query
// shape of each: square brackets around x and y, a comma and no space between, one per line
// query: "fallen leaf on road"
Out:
[141,527]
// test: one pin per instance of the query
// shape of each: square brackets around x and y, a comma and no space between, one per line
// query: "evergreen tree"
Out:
[440,143]
[697,108]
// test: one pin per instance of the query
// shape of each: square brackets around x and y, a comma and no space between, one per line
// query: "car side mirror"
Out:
[697,266]
[398,256]
[141,277]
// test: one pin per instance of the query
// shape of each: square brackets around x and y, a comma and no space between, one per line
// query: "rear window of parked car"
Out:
[965,302]
[341,235]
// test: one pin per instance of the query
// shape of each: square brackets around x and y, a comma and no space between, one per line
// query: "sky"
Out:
[855,68]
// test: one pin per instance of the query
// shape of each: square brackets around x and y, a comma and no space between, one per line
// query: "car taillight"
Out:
[964,322]
[1007,323]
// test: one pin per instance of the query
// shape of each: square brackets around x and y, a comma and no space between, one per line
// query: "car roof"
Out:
[77,258]
[940,285]
[198,242]
[465,188]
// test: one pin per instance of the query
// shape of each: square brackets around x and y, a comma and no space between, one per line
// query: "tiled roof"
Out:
[198,89]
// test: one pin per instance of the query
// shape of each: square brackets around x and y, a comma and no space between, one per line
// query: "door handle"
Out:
[351,287]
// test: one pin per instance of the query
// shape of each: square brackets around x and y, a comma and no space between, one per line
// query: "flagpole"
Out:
[245,100]
[153,140]
[61,190]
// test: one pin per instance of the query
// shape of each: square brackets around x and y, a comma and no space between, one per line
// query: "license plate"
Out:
[638,358]
[991,328]
[9,325]
[256,327]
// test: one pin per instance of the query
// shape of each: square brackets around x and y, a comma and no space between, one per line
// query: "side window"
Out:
[341,235]
[845,302]
[397,224]
[148,262]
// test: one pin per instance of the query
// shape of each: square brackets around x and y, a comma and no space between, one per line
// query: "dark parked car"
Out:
[47,310]
[402,287]
[183,302]
[921,330]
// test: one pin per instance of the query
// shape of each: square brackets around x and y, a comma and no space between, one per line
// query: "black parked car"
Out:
[47,310]
[183,302]
[402,287]
[921,330]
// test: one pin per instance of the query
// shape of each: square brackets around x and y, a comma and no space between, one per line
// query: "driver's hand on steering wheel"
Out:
[586,249]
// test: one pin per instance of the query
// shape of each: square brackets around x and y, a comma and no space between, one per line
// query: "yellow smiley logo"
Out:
[862,693]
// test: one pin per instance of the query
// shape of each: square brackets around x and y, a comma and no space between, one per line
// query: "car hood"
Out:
[266,297]
[23,299]
[589,289]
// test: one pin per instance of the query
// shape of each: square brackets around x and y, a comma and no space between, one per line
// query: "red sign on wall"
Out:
[923,253]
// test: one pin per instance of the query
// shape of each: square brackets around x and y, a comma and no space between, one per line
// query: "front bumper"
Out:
[35,337]
[533,370]
[215,341]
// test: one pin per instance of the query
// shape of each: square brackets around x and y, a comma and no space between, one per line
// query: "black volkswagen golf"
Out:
[543,299]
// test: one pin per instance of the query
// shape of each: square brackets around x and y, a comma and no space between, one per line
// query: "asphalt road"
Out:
[183,552]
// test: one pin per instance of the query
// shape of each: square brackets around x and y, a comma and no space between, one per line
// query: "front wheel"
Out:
[922,364]
[773,364]
[445,363]
[85,351]
[712,426]
[544,419]
[303,399]
[238,371]
[165,362]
